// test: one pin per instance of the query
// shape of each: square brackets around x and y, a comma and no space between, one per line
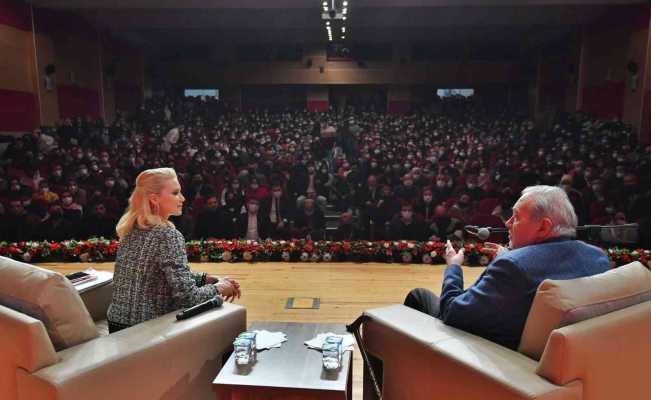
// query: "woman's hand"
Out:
[229,289]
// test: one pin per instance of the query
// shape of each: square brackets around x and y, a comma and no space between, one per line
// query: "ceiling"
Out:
[160,25]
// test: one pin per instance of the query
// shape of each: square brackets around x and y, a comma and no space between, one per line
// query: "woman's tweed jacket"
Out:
[152,277]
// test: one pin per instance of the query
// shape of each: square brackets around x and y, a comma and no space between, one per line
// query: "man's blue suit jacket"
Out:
[497,305]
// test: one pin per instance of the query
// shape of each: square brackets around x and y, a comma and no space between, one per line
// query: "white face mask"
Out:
[277,194]
[427,199]
[406,214]
[253,208]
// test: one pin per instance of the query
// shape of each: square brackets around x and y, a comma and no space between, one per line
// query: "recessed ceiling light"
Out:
[345,4]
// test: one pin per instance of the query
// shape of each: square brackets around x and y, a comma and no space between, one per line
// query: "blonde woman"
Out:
[152,276]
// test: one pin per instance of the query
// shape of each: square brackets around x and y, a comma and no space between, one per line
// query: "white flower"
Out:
[315,257]
[227,256]
[84,257]
[285,256]
[305,257]
[247,256]
[407,257]
[427,259]
[327,257]
[27,256]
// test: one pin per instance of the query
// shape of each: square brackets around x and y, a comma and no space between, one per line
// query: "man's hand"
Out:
[495,248]
[452,256]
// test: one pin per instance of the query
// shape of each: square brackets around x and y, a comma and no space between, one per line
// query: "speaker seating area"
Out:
[581,336]
[59,347]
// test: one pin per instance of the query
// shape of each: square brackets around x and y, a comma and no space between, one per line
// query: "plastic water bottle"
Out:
[331,352]
[242,350]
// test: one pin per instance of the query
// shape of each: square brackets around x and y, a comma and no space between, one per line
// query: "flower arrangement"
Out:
[401,251]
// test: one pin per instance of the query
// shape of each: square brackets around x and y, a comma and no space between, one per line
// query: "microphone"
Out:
[199,308]
[482,233]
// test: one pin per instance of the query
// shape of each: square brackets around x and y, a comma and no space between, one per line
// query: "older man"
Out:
[541,231]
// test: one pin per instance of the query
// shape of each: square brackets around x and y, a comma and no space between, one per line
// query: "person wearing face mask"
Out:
[406,225]
[280,210]
[407,192]
[257,190]
[56,178]
[425,207]
[252,225]
[441,190]
[68,204]
[42,194]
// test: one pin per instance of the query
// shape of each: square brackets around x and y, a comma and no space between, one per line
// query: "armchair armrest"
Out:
[160,358]
[423,357]
[97,300]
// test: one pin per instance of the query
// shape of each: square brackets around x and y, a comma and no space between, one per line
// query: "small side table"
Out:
[292,371]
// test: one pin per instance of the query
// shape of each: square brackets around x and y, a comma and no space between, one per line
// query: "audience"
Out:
[464,160]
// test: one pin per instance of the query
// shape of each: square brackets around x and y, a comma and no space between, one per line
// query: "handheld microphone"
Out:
[482,233]
[199,308]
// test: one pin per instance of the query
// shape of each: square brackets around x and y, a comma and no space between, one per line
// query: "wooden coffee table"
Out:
[291,372]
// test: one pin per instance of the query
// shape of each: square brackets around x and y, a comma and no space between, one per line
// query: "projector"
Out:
[332,15]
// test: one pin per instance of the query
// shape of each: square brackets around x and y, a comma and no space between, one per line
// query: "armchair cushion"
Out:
[49,297]
[560,303]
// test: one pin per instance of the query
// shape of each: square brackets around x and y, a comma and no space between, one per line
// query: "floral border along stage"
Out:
[402,251]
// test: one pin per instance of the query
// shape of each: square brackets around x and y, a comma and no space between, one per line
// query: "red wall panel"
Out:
[16,14]
[317,105]
[604,100]
[18,111]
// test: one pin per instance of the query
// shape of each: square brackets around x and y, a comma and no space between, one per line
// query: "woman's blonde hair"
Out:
[140,210]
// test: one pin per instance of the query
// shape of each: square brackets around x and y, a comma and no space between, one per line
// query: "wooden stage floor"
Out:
[345,290]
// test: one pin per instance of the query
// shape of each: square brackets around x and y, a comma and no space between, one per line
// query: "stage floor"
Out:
[344,290]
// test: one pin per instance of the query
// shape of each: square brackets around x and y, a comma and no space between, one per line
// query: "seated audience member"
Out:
[386,208]
[69,206]
[280,209]
[309,221]
[347,229]
[407,192]
[462,209]
[42,194]
[152,277]
[209,221]
[542,231]
[252,225]
[79,195]
[98,223]
[406,226]
[485,217]
[59,224]
[443,227]
[17,224]
[425,208]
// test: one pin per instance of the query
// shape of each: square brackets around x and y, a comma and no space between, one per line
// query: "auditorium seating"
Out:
[67,354]
[586,338]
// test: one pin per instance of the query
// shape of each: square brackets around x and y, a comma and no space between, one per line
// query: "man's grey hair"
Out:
[551,202]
